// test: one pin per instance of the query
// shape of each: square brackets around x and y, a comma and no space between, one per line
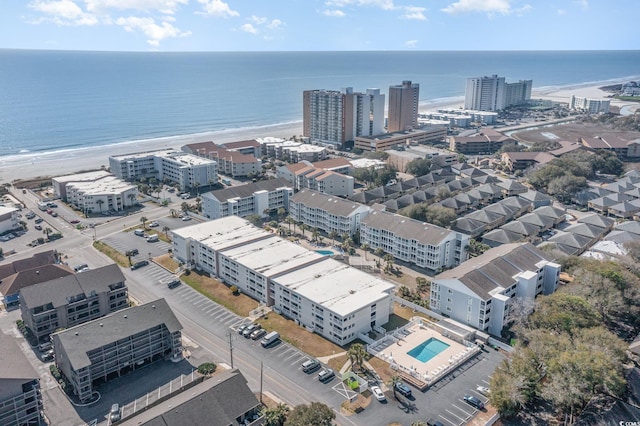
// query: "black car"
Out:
[403,389]
[174,283]
[139,264]
[132,252]
[474,402]
[432,422]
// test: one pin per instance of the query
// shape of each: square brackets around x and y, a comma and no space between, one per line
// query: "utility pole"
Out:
[231,348]
[260,382]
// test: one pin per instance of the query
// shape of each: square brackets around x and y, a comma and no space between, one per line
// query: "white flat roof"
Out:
[107,185]
[272,256]
[83,177]
[187,159]
[144,154]
[336,286]
[4,210]
[366,162]
[221,233]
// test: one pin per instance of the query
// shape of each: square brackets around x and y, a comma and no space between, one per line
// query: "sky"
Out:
[314,25]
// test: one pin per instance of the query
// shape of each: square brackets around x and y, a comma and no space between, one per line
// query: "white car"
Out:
[483,390]
[186,218]
[377,392]
[154,224]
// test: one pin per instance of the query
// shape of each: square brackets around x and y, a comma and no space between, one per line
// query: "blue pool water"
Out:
[428,349]
[325,252]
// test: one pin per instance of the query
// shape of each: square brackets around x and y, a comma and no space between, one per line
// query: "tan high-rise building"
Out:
[403,106]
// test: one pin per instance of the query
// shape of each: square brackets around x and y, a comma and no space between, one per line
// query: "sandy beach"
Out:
[59,163]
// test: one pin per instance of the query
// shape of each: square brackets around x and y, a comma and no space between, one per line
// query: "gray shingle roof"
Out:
[629,226]
[79,340]
[598,220]
[218,400]
[585,230]
[538,220]
[501,236]
[523,228]
[495,268]
[57,290]
[23,279]
[14,365]
[330,203]
[550,211]
[244,191]
[405,227]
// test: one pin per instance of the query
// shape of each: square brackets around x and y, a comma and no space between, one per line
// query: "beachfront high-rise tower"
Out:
[517,93]
[337,117]
[485,93]
[403,106]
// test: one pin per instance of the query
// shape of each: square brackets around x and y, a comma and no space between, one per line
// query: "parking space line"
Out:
[446,419]
[223,315]
[295,354]
[457,417]
[210,308]
[466,405]
[299,360]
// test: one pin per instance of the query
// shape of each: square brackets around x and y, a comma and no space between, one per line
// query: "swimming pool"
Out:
[325,252]
[428,349]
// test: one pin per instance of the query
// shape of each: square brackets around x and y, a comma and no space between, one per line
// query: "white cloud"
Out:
[155,33]
[522,10]
[62,12]
[414,12]
[337,13]
[275,24]
[382,4]
[411,43]
[584,4]
[248,28]
[561,11]
[168,7]
[258,20]
[488,6]
[217,8]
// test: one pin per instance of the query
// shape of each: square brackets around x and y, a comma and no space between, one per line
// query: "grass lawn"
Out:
[337,362]
[304,340]
[240,304]
[168,262]
[382,368]
[406,313]
[115,255]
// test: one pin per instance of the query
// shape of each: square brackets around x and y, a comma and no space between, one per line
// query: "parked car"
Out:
[81,267]
[432,422]
[47,356]
[270,339]
[49,211]
[39,220]
[473,401]
[140,264]
[132,252]
[326,374]
[250,329]
[174,283]
[377,392]
[154,224]
[139,232]
[54,214]
[74,221]
[52,205]
[403,389]
[186,218]
[38,227]
[310,366]
[153,238]
[242,327]
[44,347]
[30,215]
[483,390]
[257,334]
[114,413]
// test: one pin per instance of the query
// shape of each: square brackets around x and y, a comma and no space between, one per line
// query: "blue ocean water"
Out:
[54,100]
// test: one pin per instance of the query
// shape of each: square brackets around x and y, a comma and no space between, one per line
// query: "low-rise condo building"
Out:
[230,162]
[589,105]
[327,213]
[258,198]
[20,397]
[385,141]
[73,299]
[9,219]
[186,170]
[479,292]
[117,343]
[423,244]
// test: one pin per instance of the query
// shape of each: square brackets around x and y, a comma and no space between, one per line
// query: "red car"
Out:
[49,211]
[74,221]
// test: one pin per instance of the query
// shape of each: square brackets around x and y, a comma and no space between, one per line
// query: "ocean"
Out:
[62,100]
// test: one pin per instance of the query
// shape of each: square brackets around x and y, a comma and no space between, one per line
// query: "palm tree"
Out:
[303,227]
[281,212]
[131,197]
[314,234]
[357,354]
[100,203]
[196,185]
[389,259]
[365,248]
[199,204]
[379,252]
[165,229]
[395,379]
[333,235]
[289,220]
[47,231]
[144,219]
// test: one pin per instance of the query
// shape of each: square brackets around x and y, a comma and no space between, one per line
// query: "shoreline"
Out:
[67,161]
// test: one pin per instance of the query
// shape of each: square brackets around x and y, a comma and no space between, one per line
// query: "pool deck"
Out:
[396,353]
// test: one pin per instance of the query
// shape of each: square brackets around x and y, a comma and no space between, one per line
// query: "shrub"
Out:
[234,289]
[207,368]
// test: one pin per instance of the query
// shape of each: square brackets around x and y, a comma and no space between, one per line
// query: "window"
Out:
[448,308]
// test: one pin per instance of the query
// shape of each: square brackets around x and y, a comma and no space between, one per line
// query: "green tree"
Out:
[281,212]
[144,220]
[314,414]
[418,167]
[47,231]
[166,230]
[365,249]
[255,220]
[357,354]
[207,368]
[423,285]
[100,202]
[563,312]
[333,235]
[393,381]
[184,206]
[476,248]
[275,416]
[388,258]
[315,234]
[131,198]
